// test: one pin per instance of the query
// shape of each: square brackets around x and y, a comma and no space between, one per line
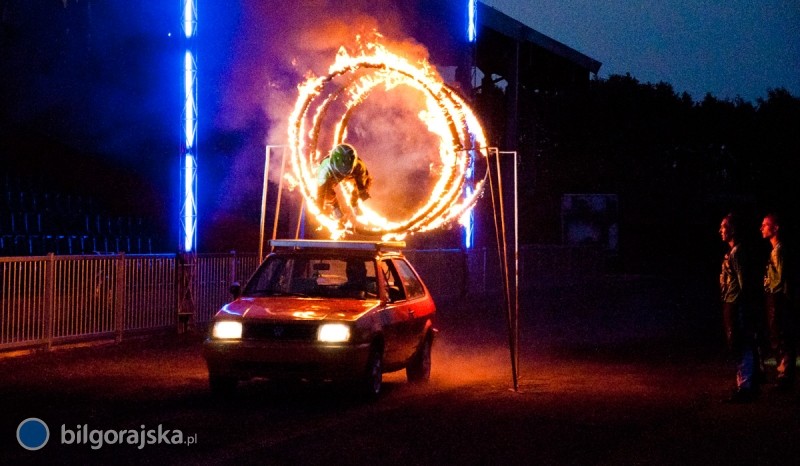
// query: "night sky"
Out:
[732,48]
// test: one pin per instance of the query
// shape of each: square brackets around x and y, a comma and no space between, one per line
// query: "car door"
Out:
[395,317]
[417,303]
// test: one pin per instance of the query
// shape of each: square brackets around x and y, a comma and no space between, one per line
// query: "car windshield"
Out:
[321,276]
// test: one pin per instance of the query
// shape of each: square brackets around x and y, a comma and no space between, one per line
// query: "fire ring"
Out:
[462,140]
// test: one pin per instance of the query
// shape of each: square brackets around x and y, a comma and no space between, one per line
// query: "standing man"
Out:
[738,312]
[780,318]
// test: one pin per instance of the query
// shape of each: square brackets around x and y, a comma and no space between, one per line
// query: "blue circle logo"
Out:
[32,433]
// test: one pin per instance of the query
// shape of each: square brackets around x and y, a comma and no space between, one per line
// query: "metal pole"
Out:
[502,253]
[119,301]
[264,204]
[511,326]
[280,192]
[516,256]
[49,299]
[516,259]
[300,218]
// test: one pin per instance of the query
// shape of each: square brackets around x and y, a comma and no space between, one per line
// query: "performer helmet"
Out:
[343,159]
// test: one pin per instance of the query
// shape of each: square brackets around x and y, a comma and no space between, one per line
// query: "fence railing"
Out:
[52,300]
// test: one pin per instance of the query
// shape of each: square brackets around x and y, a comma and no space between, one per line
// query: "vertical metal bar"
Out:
[199,288]
[86,287]
[18,304]
[74,294]
[149,273]
[151,267]
[147,280]
[136,281]
[23,332]
[49,292]
[506,284]
[65,298]
[4,301]
[119,301]
[176,278]
[280,195]
[265,188]
[91,308]
[21,335]
[81,281]
[37,291]
[300,218]
[12,310]
[516,257]
[148,269]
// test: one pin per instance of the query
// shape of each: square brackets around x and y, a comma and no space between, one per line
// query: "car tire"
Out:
[418,369]
[222,385]
[371,382]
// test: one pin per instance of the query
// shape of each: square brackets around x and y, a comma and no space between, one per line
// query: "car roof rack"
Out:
[376,246]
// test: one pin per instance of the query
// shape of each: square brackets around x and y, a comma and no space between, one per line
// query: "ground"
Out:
[626,371]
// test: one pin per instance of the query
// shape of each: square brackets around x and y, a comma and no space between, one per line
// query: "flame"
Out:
[445,114]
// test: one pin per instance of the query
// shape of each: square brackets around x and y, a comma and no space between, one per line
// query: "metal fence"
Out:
[51,300]
[212,280]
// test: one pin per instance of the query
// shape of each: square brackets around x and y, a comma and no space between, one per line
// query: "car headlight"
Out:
[333,333]
[227,329]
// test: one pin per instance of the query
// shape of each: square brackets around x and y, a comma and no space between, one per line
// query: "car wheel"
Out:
[419,367]
[222,385]
[372,380]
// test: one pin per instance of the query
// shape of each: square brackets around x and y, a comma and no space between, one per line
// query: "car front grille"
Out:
[279,332]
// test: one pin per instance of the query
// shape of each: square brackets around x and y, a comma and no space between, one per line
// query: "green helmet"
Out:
[343,159]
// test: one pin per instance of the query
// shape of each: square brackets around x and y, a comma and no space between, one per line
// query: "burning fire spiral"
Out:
[462,140]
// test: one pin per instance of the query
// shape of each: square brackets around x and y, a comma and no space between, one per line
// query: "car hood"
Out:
[293,308]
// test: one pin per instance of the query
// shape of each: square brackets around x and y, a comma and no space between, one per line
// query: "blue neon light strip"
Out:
[189,204]
[189,21]
[189,163]
[472,20]
[189,104]
[469,228]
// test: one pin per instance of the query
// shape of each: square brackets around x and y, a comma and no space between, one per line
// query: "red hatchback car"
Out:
[325,310]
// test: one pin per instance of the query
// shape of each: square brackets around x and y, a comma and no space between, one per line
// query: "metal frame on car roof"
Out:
[376,246]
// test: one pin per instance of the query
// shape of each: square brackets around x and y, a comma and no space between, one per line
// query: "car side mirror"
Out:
[235,290]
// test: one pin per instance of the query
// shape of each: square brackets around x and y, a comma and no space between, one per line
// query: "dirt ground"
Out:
[628,371]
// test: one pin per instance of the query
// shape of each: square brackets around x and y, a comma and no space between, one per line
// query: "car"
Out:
[325,311]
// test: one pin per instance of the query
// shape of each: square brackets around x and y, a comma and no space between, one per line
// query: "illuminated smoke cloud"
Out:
[325,104]
[276,45]
[282,45]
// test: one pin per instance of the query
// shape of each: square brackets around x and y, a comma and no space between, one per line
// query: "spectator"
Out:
[738,311]
[780,318]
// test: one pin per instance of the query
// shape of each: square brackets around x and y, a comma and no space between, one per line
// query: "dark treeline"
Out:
[677,165]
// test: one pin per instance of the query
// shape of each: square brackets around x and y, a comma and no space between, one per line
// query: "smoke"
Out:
[278,45]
